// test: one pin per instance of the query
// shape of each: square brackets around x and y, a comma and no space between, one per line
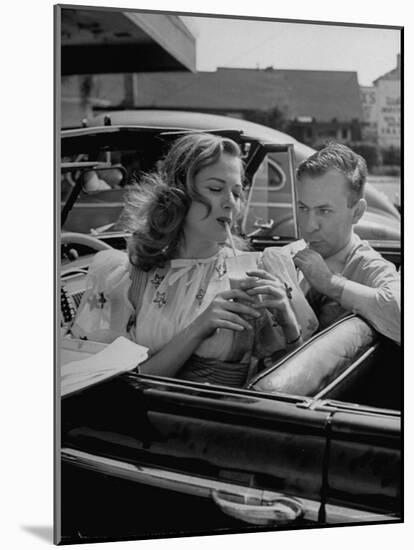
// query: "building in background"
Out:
[369,113]
[313,106]
[111,59]
[381,105]
[388,97]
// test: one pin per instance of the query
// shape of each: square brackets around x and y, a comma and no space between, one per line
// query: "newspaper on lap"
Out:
[84,363]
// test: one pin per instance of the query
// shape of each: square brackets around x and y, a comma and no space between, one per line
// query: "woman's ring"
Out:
[289,290]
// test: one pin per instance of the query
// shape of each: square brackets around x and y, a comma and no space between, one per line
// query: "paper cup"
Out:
[237,267]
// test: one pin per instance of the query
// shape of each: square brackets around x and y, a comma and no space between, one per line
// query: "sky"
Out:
[284,45]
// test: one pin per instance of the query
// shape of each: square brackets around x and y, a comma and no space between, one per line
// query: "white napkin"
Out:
[120,356]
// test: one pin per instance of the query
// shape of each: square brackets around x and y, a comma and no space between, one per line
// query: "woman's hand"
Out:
[275,297]
[223,312]
[229,309]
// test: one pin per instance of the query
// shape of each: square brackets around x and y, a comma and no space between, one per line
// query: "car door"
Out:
[196,439]
[271,201]
[193,439]
[363,459]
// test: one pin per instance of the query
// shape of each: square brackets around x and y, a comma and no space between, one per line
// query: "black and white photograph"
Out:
[204,343]
[229,237]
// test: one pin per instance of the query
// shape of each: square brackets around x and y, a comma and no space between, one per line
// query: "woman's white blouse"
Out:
[173,297]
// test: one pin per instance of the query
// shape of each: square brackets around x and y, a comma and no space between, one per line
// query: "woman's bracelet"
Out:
[295,340]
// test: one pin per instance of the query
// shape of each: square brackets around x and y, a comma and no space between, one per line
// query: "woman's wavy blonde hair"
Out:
[155,210]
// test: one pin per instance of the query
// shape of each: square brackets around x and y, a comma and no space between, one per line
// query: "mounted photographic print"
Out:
[229,259]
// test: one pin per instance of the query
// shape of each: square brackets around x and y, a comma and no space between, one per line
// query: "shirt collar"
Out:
[337,262]
[185,262]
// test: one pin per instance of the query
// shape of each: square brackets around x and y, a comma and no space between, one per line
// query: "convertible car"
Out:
[312,440]
[270,204]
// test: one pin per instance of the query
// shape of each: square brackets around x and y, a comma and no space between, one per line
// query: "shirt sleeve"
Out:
[374,294]
[104,310]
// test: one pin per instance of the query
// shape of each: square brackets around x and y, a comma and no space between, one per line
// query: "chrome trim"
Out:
[343,406]
[346,372]
[269,204]
[289,355]
[204,487]
[99,204]
[291,164]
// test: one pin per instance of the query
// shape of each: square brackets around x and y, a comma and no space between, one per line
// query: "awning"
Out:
[105,40]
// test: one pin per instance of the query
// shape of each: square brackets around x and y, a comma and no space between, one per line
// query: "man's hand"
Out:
[275,296]
[318,274]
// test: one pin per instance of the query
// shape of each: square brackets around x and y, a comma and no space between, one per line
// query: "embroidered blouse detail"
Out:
[200,295]
[97,300]
[221,269]
[172,299]
[160,299]
[289,291]
[176,295]
[157,280]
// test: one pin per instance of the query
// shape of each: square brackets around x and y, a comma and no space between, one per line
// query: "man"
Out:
[341,272]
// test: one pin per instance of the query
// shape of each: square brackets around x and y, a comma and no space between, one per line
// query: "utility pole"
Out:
[129,89]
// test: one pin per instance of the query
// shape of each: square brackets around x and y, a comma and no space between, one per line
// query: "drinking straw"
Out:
[230,237]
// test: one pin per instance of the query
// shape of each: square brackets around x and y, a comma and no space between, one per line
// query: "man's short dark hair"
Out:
[341,158]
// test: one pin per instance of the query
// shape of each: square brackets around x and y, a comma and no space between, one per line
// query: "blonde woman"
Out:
[172,293]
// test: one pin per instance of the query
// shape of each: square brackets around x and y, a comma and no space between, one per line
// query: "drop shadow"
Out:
[43,532]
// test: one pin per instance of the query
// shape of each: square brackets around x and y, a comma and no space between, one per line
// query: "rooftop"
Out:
[323,95]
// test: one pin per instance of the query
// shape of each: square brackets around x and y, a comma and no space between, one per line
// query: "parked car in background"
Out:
[271,209]
[146,456]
